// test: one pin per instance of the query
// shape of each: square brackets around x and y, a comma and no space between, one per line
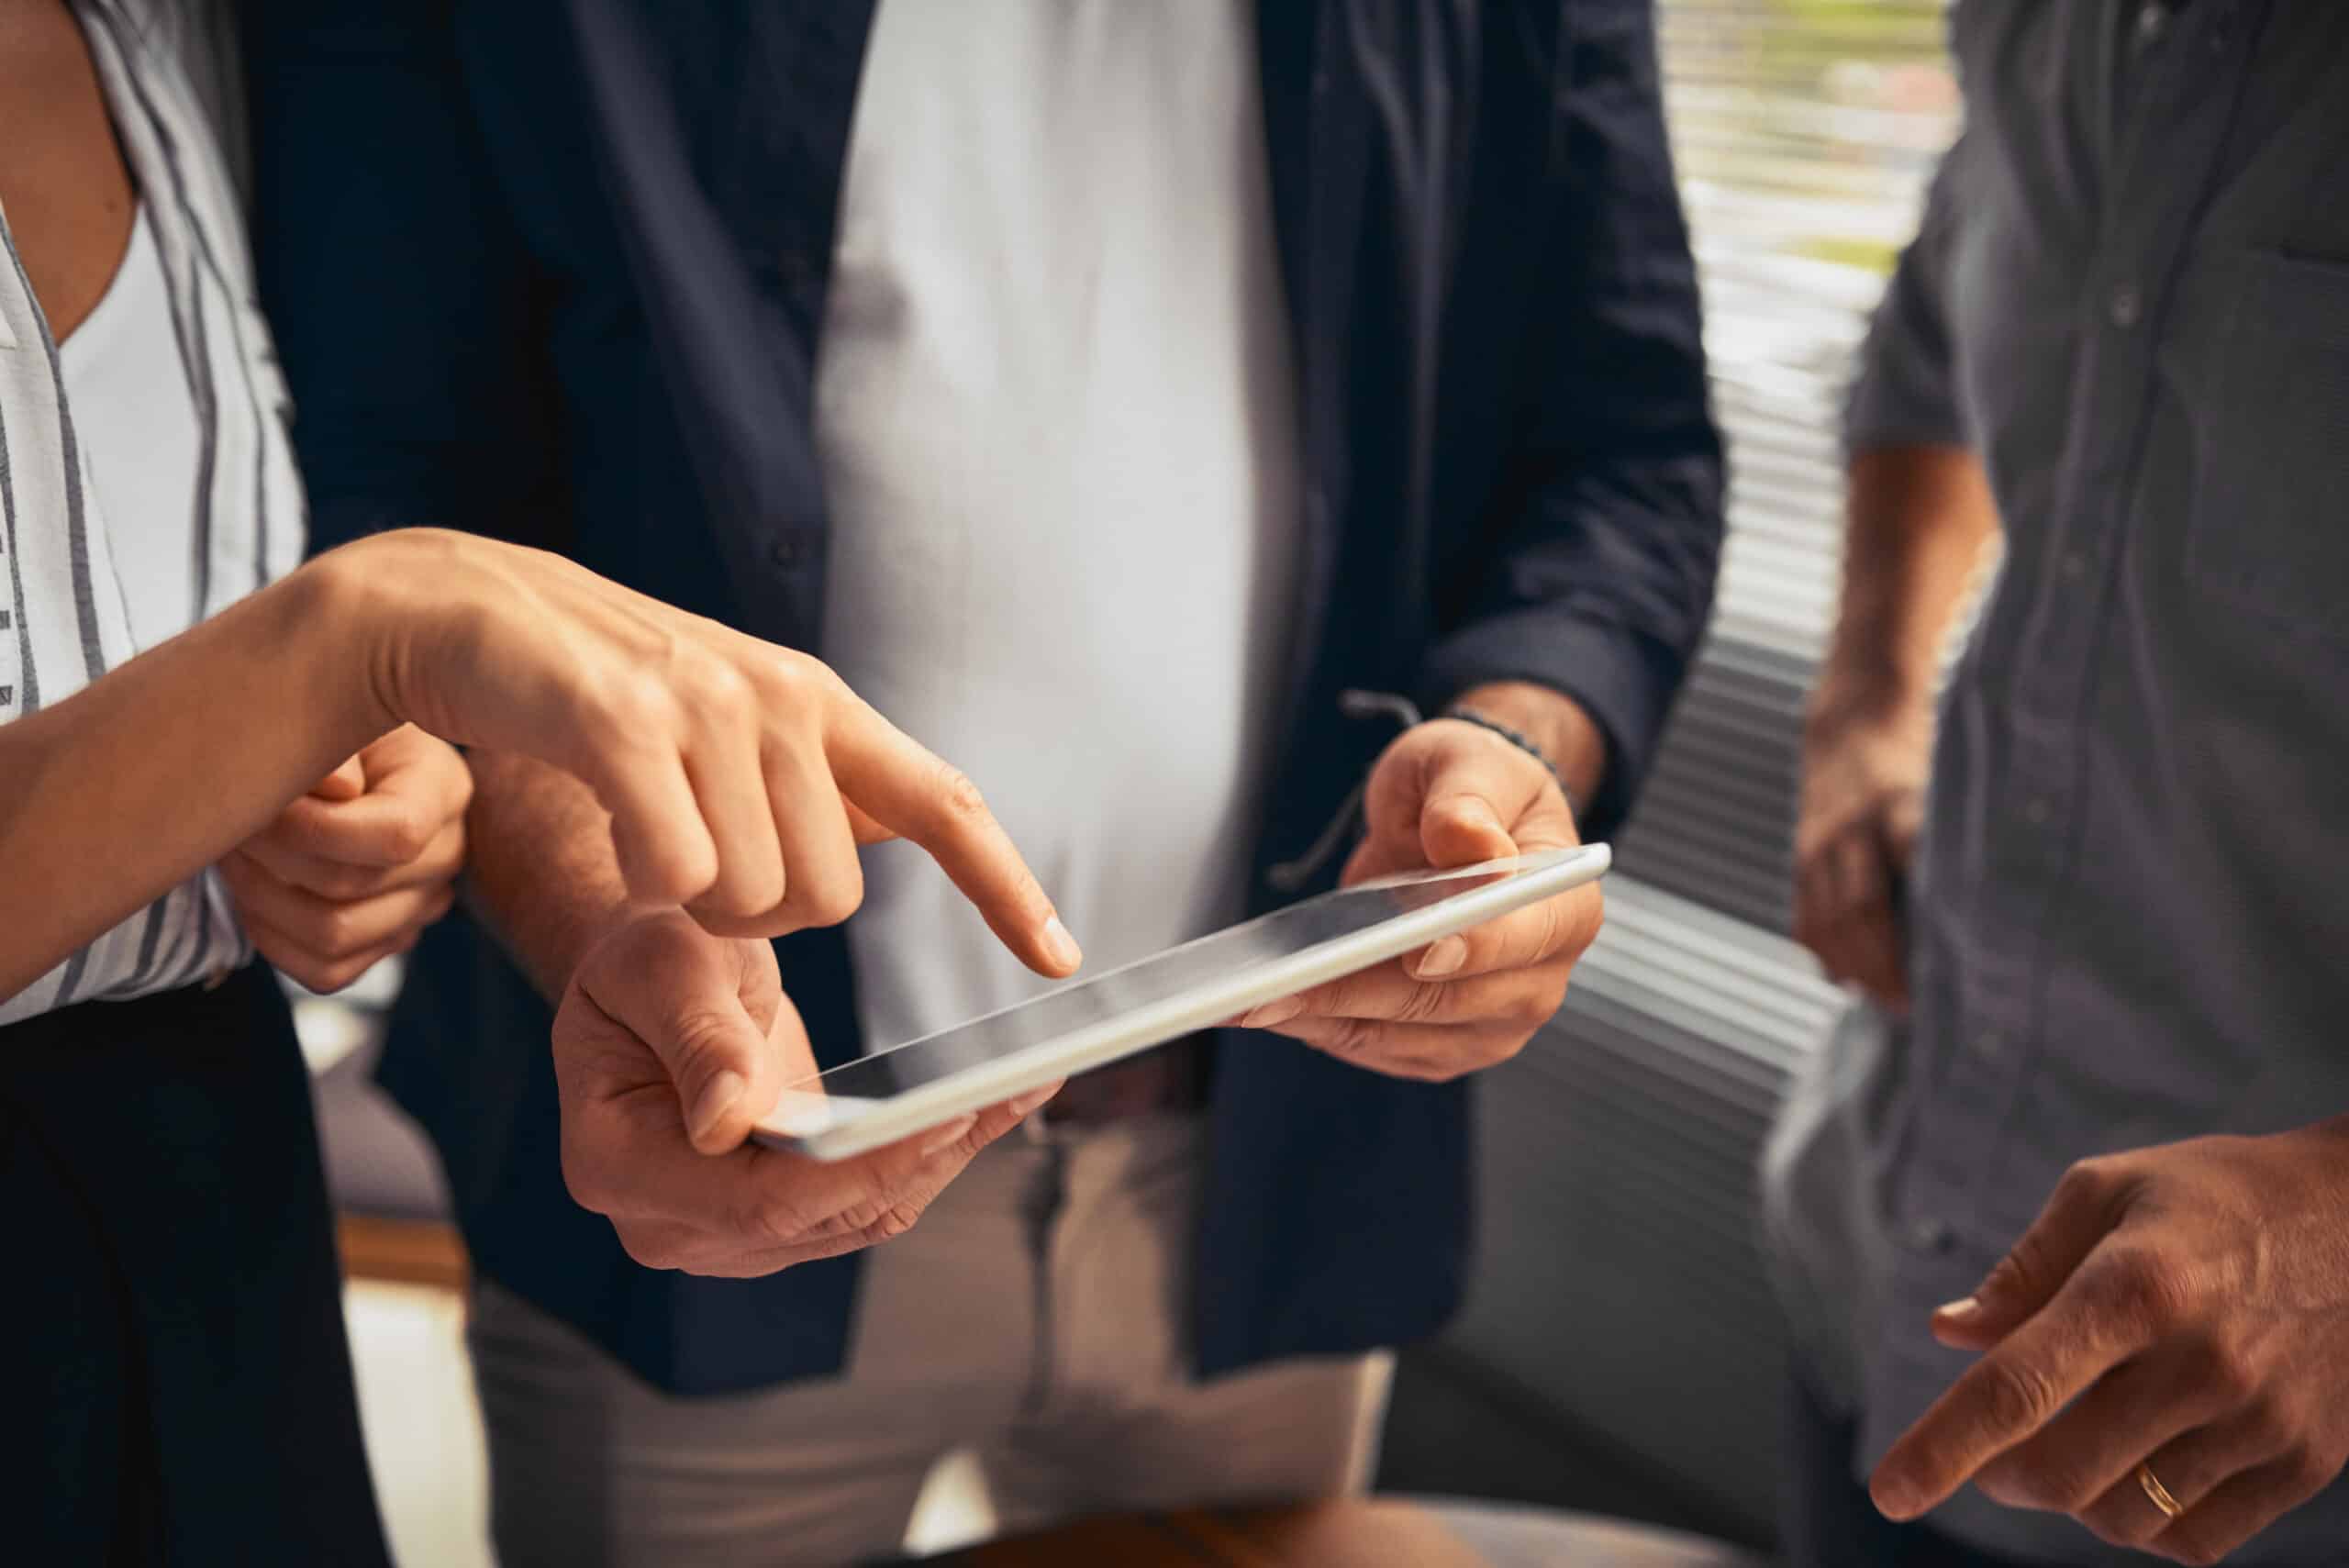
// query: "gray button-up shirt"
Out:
[2129,918]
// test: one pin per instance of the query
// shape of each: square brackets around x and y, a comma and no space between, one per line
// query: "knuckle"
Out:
[2310,1471]
[2231,1379]
[790,678]
[408,836]
[748,886]
[1422,1003]
[714,685]
[894,1221]
[2014,1272]
[628,708]
[958,797]
[2267,1419]
[1538,1005]
[776,1220]
[2059,1487]
[584,1181]
[344,882]
[858,1218]
[2019,1396]
[649,1249]
[699,1045]
[336,933]
[2145,1291]
[2087,1183]
[827,901]
[1503,1048]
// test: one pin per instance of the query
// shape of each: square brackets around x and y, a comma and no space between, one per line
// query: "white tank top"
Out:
[137,422]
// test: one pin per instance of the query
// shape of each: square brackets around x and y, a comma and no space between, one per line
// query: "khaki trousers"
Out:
[1035,1317]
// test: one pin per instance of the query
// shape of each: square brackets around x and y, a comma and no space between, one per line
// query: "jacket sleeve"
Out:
[399,291]
[1600,575]
[1905,391]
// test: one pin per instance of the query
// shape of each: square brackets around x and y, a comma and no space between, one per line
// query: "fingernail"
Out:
[1060,947]
[1032,1099]
[1964,1309]
[1271,1013]
[717,1098]
[1444,956]
[1893,1497]
[946,1136]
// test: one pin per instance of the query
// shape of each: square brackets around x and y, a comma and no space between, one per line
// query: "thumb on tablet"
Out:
[688,997]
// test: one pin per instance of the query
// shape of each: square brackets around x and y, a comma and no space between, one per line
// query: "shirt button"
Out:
[1928,1235]
[2124,306]
[784,552]
[1988,1045]
[2074,566]
[2036,811]
[2153,23]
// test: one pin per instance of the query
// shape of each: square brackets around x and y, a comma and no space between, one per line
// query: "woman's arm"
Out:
[164,764]
[738,776]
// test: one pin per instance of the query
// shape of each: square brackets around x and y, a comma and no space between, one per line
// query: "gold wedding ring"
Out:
[2169,1505]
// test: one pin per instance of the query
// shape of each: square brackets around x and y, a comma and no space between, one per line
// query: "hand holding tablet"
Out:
[895,1094]
[1450,793]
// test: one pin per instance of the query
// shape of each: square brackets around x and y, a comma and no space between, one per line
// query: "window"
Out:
[1619,1259]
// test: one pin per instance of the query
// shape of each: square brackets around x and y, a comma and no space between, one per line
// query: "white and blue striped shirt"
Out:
[63,617]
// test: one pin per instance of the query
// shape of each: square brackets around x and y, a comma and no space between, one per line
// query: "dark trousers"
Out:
[174,1383]
[1826,1519]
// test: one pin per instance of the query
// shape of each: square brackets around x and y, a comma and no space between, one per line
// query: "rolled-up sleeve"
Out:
[1905,392]
[1601,577]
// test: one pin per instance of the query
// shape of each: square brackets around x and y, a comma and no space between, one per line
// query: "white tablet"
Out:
[896,1092]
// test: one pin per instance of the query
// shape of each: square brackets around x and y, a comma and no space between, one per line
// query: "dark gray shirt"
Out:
[2130,914]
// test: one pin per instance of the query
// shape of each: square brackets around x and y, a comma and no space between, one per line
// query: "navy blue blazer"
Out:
[553,270]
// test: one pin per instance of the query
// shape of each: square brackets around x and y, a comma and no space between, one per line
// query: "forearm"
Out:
[131,785]
[542,873]
[1919,518]
[1553,721]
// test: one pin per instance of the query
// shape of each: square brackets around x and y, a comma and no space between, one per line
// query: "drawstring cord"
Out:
[1291,876]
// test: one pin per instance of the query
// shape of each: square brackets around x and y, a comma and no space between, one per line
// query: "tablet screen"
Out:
[1214,964]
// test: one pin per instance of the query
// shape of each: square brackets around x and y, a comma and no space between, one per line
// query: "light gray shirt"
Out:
[2129,918]
[1054,412]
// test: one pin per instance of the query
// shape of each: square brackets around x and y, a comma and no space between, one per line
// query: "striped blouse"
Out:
[63,618]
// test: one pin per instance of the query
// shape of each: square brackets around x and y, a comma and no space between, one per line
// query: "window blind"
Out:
[1620,1286]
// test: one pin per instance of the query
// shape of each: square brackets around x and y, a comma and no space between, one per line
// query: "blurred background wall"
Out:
[1622,1350]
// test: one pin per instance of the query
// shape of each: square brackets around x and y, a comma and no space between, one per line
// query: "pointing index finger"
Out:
[903,787]
[2015,1389]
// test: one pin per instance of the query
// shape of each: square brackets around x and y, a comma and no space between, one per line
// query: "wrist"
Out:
[541,873]
[1867,695]
[592,924]
[1565,734]
[330,625]
[345,600]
